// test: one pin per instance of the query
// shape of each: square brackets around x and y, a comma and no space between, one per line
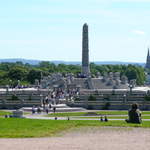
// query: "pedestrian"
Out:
[47,110]
[33,110]
[38,110]
[46,100]
[54,109]
[6,116]
[101,118]
[50,106]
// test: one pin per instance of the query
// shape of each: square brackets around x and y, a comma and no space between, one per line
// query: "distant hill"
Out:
[35,62]
[24,61]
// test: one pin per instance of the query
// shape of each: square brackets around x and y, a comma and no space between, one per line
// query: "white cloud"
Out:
[139,32]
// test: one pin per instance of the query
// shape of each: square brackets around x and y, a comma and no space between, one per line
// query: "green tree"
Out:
[91,98]
[17,73]
[33,74]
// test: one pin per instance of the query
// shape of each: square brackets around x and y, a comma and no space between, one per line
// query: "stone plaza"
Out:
[110,91]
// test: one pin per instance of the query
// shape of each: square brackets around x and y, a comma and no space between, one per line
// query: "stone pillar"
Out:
[148,60]
[85,51]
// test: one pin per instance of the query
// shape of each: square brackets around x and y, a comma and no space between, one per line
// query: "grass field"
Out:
[21,128]
[85,113]
[109,112]
[3,113]
[112,117]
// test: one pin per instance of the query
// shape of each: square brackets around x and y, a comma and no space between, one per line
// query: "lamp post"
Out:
[125,98]
[18,83]
[130,86]
[10,83]
[41,99]
[7,88]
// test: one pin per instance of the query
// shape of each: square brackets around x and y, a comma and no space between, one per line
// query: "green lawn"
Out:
[85,113]
[112,112]
[20,128]
[108,112]
[111,117]
[125,117]
[3,113]
[145,112]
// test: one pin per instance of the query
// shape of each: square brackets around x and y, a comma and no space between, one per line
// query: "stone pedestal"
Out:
[17,114]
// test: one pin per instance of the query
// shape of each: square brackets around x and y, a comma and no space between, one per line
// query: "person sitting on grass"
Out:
[101,119]
[106,119]
[134,115]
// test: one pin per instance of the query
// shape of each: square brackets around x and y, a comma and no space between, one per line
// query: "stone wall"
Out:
[21,98]
[111,99]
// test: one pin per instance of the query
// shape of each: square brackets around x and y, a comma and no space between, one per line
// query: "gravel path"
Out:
[87,138]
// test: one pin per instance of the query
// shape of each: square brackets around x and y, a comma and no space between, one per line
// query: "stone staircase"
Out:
[59,108]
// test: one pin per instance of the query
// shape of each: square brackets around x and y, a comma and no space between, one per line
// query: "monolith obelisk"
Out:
[148,60]
[85,51]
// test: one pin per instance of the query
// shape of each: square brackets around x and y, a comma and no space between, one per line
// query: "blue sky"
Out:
[119,30]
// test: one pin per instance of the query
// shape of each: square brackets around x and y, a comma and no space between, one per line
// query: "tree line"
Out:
[12,73]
